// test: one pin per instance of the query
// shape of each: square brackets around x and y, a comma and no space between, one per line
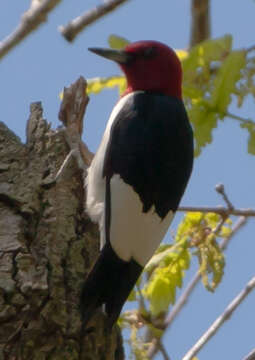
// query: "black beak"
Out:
[119,56]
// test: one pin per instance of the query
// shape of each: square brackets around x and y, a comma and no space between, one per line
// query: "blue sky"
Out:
[44,63]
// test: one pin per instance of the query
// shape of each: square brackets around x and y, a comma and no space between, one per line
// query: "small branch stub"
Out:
[73,106]
[221,190]
[71,113]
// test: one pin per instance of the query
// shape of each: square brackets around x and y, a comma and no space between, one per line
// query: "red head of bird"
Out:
[149,66]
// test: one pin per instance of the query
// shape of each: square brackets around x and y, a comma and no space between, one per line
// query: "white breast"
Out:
[95,183]
[134,234]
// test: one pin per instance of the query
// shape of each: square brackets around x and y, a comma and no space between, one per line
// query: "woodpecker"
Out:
[139,173]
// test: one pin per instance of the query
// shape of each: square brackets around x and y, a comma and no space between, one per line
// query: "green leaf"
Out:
[192,92]
[117,42]
[157,258]
[161,287]
[225,81]
[198,231]
[212,262]
[96,85]
[158,292]
[204,122]
[207,51]
[212,220]
[251,141]
[185,260]
[211,74]
[182,54]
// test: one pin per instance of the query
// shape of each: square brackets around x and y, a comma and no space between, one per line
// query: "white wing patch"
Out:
[95,183]
[133,233]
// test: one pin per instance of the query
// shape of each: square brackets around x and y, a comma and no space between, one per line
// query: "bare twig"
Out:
[141,298]
[183,299]
[163,352]
[250,49]
[240,119]
[221,190]
[200,21]
[250,356]
[220,320]
[221,210]
[74,27]
[31,19]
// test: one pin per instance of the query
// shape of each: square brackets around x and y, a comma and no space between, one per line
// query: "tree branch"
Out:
[250,49]
[200,22]
[220,320]
[163,352]
[74,27]
[30,20]
[221,210]
[250,356]
[183,299]
[240,119]
[224,212]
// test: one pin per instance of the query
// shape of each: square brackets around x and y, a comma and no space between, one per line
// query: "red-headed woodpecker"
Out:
[139,173]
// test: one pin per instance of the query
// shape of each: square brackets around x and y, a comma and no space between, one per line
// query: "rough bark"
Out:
[47,246]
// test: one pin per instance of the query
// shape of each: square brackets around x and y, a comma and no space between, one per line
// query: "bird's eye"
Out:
[149,52]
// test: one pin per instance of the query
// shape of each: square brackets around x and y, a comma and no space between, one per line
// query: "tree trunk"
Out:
[47,246]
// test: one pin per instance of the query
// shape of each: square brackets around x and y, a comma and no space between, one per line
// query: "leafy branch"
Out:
[183,299]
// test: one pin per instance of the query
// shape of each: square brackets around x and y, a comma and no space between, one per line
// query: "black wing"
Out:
[151,148]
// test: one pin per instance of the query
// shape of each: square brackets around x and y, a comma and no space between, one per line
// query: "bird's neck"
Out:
[175,92]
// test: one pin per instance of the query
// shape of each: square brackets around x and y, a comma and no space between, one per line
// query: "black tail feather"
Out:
[109,282]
